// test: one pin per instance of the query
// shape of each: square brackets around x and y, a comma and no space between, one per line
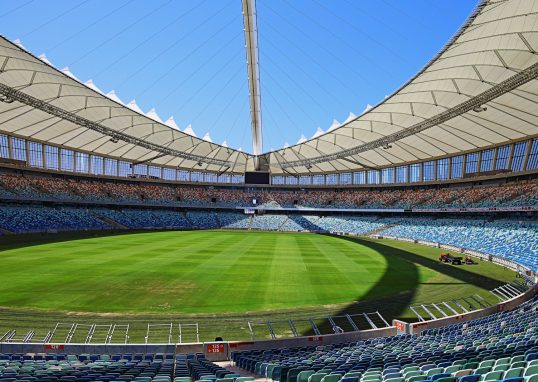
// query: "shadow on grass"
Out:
[27,240]
[392,305]
[403,268]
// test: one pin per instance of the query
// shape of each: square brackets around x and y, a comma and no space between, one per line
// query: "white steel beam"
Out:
[251,44]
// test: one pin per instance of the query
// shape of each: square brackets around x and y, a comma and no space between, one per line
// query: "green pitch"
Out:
[205,272]
[178,274]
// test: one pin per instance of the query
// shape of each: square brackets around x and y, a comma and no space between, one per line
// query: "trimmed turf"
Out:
[191,272]
[176,274]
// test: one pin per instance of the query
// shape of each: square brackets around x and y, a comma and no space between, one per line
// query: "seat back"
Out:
[492,376]
[317,377]
[432,372]
[514,372]
[304,375]
[531,370]
[470,378]
[331,378]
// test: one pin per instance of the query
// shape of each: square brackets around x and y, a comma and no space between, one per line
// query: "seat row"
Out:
[504,344]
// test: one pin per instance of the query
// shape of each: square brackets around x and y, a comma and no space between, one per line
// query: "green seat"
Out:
[531,370]
[470,365]
[447,379]
[532,378]
[205,377]
[415,378]
[225,380]
[427,366]
[182,379]
[487,363]
[435,370]
[353,374]
[534,362]
[232,375]
[371,378]
[514,372]
[482,370]
[503,361]
[492,376]
[372,375]
[258,367]
[516,364]
[503,367]
[277,371]
[412,373]
[269,370]
[331,378]
[304,375]
[292,374]
[244,379]
[409,368]
[517,358]
[317,377]
[397,379]
[452,369]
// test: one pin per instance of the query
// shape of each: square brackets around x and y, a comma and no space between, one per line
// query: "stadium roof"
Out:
[51,105]
[480,90]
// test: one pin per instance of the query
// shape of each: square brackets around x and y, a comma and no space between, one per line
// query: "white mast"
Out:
[253,70]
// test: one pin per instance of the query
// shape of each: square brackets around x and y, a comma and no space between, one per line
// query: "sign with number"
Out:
[215,348]
[401,326]
[54,347]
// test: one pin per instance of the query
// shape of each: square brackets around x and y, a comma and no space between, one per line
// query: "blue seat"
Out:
[531,356]
[470,378]
[435,377]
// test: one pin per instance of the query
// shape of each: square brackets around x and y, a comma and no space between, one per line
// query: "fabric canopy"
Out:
[496,45]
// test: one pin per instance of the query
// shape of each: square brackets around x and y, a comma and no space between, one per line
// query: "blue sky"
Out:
[319,59]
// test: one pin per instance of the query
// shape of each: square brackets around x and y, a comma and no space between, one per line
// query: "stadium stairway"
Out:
[187,219]
[376,231]
[108,221]
[245,375]
[283,223]
[219,224]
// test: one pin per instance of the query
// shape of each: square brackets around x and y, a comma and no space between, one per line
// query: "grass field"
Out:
[222,278]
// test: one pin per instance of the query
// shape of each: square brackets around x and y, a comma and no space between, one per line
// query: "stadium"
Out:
[398,246]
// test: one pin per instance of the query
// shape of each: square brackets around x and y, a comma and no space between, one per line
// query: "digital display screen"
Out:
[256,177]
